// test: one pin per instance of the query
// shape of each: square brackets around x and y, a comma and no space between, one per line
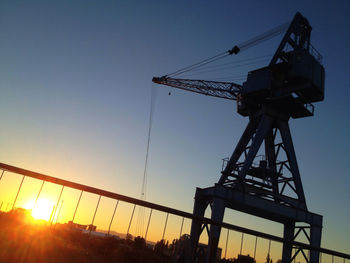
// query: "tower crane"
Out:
[286,88]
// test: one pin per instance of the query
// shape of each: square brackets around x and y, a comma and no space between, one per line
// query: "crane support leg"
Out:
[200,205]
[217,214]
[315,241]
[288,143]
[288,234]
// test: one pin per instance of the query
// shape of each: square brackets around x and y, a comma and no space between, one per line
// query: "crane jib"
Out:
[225,90]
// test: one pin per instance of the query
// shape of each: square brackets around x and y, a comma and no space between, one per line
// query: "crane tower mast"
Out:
[270,96]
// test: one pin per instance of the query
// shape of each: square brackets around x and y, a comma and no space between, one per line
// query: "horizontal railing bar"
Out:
[165,209]
[93,190]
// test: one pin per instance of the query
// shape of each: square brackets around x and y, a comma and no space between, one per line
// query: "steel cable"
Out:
[226,68]
[141,212]
[198,64]
[243,46]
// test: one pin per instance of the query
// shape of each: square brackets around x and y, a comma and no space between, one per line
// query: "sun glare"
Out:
[42,209]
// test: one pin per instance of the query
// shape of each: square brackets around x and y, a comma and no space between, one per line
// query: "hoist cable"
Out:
[141,212]
[150,121]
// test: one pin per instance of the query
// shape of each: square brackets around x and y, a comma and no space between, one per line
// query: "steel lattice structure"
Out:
[271,189]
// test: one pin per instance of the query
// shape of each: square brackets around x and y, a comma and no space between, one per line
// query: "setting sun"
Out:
[42,209]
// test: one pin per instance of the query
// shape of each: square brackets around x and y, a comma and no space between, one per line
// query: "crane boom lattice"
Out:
[225,90]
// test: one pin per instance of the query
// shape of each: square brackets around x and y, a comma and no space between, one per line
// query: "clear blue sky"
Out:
[75,82]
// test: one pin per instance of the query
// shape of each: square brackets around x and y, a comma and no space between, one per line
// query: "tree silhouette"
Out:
[139,243]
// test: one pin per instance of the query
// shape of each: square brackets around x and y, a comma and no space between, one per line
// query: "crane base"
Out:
[220,197]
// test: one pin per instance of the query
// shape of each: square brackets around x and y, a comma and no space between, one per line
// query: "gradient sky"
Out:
[75,82]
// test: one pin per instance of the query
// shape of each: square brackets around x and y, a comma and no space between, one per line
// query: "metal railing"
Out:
[317,55]
[327,255]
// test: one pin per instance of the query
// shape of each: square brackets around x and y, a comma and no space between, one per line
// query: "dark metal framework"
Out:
[260,190]
[271,189]
[268,179]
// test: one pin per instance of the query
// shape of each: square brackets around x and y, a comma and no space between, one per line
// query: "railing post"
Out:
[58,202]
[59,211]
[2,173]
[166,222]
[52,212]
[93,219]
[110,224]
[256,242]
[149,220]
[37,197]
[182,224]
[76,208]
[19,189]
[240,252]
[132,215]
[228,232]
